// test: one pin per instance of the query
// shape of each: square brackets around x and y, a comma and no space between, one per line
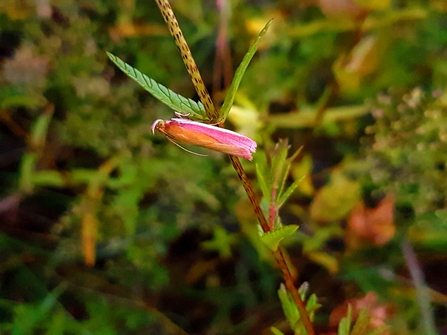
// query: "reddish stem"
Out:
[278,254]
[272,208]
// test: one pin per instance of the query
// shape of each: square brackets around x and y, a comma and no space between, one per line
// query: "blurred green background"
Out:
[107,229]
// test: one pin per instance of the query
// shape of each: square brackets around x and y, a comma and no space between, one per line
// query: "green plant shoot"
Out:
[194,110]
[291,311]
[229,98]
[273,237]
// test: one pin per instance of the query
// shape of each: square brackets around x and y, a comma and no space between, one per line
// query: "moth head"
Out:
[159,123]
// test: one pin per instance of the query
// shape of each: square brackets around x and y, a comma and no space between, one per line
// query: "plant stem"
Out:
[212,113]
[422,293]
[250,192]
[278,254]
[273,210]
[176,32]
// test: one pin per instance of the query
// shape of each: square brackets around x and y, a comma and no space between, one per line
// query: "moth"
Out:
[186,131]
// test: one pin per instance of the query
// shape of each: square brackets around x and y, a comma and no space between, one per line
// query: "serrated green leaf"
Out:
[272,238]
[194,110]
[229,98]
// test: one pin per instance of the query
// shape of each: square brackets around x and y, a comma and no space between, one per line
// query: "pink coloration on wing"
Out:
[220,134]
[207,136]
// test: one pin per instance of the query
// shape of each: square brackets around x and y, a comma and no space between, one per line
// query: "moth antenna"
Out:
[191,152]
[181,115]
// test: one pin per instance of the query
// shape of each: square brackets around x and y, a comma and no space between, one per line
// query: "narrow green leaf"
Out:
[312,305]
[361,325]
[28,316]
[272,238]
[286,167]
[10,98]
[82,176]
[48,178]
[311,302]
[282,179]
[276,331]
[229,98]
[288,306]
[288,192]
[27,167]
[279,167]
[344,327]
[45,306]
[40,129]
[262,183]
[195,110]
[278,161]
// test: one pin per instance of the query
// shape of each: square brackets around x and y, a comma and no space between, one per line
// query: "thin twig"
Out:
[176,32]
[422,293]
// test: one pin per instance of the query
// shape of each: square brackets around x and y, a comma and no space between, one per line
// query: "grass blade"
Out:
[229,98]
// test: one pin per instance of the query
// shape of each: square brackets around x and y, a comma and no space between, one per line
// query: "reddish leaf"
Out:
[372,225]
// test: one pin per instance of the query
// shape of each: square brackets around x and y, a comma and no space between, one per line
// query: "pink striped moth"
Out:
[207,136]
